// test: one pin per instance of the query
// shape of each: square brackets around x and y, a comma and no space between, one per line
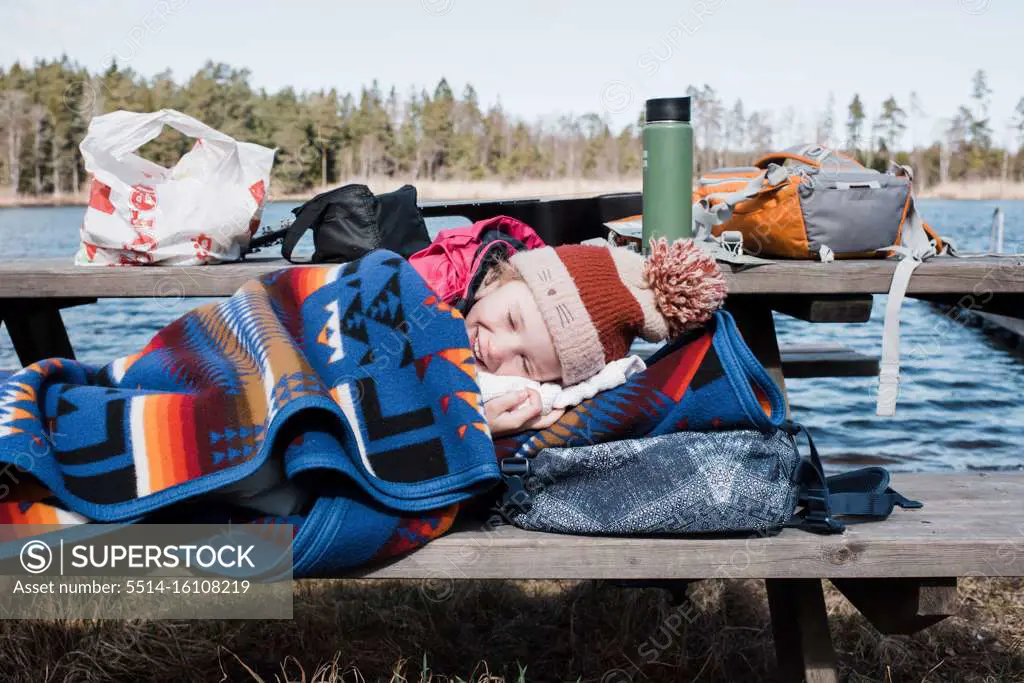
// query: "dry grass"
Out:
[498,189]
[435,190]
[976,189]
[9,198]
[428,190]
[517,631]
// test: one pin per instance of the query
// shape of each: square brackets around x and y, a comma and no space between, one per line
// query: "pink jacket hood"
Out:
[453,259]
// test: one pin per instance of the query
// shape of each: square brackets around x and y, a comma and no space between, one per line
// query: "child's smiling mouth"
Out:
[477,353]
[478,349]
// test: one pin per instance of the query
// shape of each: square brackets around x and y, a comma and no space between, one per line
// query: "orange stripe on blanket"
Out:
[171,448]
[177,453]
[14,414]
[24,393]
[472,398]
[128,361]
[690,360]
[308,280]
[166,453]
[462,359]
[153,410]
[35,513]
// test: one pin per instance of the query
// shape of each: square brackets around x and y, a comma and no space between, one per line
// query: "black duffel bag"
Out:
[350,222]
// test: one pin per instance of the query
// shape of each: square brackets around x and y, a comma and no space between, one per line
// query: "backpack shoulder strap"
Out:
[863,493]
[816,515]
[916,245]
[310,213]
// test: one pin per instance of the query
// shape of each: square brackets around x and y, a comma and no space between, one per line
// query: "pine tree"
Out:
[892,122]
[737,128]
[980,130]
[854,125]
[826,122]
[326,137]
[1017,125]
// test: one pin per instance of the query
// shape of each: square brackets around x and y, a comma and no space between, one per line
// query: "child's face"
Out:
[508,335]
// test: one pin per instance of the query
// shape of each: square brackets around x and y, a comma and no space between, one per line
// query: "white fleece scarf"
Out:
[555,396]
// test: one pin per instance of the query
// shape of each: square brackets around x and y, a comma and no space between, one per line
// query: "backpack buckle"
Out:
[515,466]
[817,515]
[823,522]
[516,498]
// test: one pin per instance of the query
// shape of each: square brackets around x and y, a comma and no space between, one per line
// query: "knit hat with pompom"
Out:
[595,299]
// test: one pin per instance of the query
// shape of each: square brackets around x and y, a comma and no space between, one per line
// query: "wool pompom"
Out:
[687,282]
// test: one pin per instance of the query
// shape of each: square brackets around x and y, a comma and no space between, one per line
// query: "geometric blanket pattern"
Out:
[340,399]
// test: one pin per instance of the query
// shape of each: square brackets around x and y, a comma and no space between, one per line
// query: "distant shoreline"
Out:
[427,190]
[455,190]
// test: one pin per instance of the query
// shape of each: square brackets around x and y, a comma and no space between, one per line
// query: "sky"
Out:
[545,58]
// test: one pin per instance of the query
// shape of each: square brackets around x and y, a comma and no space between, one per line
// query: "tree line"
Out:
[327,137]
[966,146]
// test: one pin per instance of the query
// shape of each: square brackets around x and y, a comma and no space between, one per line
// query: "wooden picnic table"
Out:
[900,573]
[33,291]
[50,278]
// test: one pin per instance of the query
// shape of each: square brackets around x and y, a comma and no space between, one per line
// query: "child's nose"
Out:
[502,352]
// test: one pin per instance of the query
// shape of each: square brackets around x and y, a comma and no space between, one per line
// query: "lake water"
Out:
[961,405]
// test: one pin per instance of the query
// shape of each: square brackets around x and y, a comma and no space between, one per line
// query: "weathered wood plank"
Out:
[901,606]
[979,298]
[58,277]
[803,643]
[826,360]
[1004,322]
[825,308]
[954,490]
[940,540]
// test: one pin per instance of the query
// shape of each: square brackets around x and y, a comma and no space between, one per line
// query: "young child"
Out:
[563,313]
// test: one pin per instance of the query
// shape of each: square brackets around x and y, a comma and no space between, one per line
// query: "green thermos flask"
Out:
[668,170]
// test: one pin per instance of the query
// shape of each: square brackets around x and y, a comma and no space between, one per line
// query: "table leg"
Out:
[803,644]
[903,605]
[37,329]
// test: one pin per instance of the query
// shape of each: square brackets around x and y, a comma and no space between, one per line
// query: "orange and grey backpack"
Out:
[811,202]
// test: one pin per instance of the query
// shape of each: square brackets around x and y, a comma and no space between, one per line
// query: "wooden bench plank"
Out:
[825,308]
[979,298]
[977,492]
[940,540]
[58,277]
[804,360]
[1007,323]
[826,360]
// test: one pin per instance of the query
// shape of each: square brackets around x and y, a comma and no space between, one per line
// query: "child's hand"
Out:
[518,411]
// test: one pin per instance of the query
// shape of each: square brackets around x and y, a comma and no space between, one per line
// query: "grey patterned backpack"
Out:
[691,483]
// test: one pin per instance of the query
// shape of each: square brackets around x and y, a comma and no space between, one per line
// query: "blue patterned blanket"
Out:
[342,400]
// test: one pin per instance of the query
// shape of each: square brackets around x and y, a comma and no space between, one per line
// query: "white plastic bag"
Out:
[203,210]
